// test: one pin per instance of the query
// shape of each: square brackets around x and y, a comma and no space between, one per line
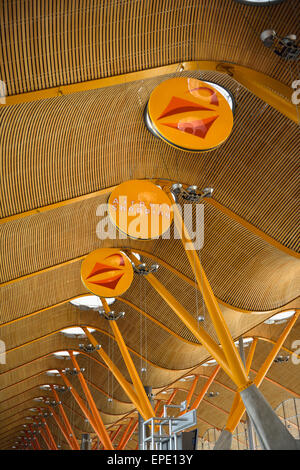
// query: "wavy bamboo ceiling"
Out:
[60,154]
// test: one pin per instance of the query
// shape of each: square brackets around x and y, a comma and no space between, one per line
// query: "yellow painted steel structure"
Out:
[96,415]
[89,415]
[119,377]
[239,408]
[188,320]
[139,388]
[237,369]
[204,390]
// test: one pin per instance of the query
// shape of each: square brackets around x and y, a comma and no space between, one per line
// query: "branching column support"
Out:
[127,434]
[98,420]
[237,401]
[199,332]
[169,401]
[50,435]
[204,390]
[64,432]
[67,424]
[116,433]
[118,375]
[240,407]
[191,391]
[81,404]
[231,353]
[44,436]
[34,437]
[139,388]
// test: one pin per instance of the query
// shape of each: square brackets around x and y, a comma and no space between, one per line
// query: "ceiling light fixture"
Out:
[281,359]
[246,342]
[285,47]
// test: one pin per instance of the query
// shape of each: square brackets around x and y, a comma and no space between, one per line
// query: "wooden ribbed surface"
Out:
[108,143]
[65,147]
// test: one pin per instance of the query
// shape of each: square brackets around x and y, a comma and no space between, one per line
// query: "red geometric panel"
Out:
[198,128]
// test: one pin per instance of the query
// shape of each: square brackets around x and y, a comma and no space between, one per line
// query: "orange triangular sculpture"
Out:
[178,105]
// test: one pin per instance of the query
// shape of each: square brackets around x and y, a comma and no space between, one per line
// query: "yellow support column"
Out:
[118,375]
[139,388]
[189,321]
[240,409]
[231,353]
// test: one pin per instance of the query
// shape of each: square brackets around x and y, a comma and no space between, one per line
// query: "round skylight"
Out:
[64,354]
[75,332]
[52,372]
[259,2]
[246,342]
[280,317]
[211,362]
[188,377]
[90,302]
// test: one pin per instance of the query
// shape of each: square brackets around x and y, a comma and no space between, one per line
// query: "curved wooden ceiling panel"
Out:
[51,43]
[59,149]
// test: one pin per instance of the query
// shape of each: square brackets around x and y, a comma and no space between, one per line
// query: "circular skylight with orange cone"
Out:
[107,272]
[189,114]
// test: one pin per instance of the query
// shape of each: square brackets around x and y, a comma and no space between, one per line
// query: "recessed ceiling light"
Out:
[280,317]
[188,377]
[76,332]
[90,302]
[44,387]
[281,359]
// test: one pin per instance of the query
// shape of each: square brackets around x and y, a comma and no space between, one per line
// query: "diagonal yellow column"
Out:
[231,353]
[118,375]
[240,408]
[188,320]
[139,388]
[237,402]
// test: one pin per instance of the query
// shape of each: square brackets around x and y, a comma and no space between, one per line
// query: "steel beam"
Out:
[98,420]
[233,358]
[67,424]
[204,390]
[116,372]
[199,332]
